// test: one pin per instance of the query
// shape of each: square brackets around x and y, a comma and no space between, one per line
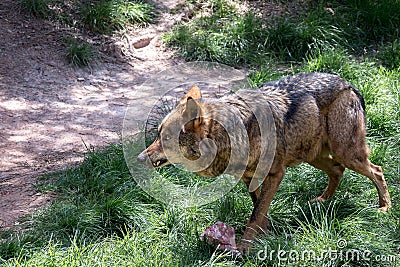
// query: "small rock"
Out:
[142,42]
[80,79]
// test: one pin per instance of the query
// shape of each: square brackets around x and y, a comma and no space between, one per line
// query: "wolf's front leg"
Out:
[258,220]
[254,194]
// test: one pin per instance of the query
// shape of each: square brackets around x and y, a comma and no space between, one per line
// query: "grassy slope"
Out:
[83,17]
[102,218]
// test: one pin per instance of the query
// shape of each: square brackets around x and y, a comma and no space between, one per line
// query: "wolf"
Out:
[319,119]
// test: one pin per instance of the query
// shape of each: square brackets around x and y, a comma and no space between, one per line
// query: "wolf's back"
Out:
[323,87]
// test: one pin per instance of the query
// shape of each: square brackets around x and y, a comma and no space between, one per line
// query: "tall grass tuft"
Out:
[105,16]
[79,53]
[38,8]
[234,37]
[377,20]
[389,54]
[230,40]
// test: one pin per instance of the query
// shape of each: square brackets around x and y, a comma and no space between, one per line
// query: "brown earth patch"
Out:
[50,110]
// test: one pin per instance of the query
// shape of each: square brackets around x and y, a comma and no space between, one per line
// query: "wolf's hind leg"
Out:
[353,154]
[346,139]
[375,174]
[334,170]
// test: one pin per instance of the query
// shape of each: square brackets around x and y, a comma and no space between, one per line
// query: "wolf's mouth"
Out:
[159,163]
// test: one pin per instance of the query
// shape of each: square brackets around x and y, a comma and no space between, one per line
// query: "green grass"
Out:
[389,54]
[231,40]
[79,52]
[38,8]
[100,16]
[376,20]
[235,38]
[103,218]
[105,16]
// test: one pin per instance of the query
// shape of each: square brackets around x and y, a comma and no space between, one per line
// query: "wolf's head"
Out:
[179,134]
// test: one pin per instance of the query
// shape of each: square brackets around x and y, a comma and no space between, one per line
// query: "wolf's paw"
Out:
[318,199]
[245,247]
[243,250]
[384,209]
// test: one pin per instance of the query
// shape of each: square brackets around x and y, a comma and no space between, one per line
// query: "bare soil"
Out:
[50,110]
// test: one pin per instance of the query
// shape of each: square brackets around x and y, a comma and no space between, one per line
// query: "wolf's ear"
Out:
[192,115]
[194,93]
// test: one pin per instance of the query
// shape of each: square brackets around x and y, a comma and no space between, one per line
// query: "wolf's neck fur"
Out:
[238,145]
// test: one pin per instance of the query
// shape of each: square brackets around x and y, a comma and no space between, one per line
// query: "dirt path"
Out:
[49,109]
